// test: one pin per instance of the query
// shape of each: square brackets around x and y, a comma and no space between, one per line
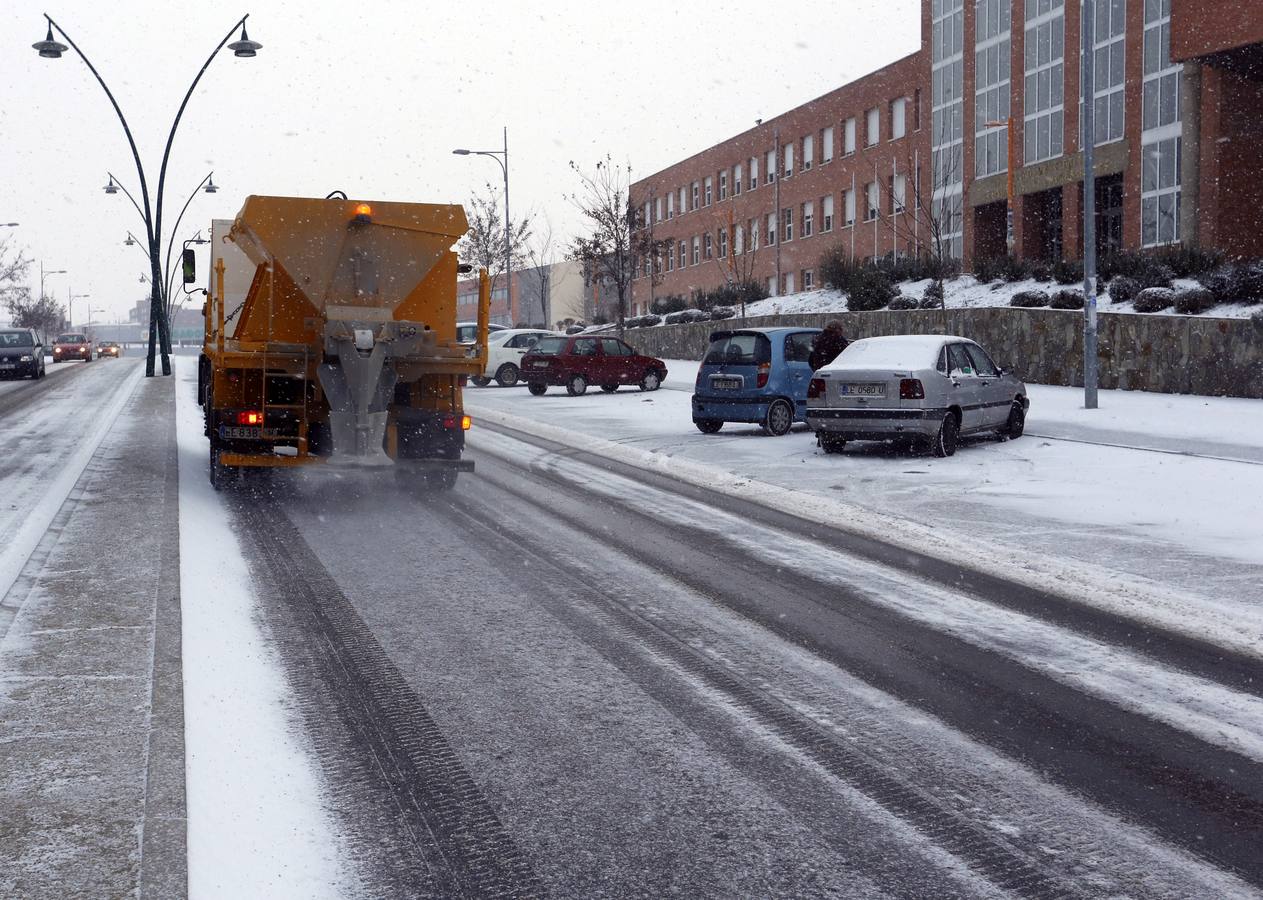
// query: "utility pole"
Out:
[1087,25]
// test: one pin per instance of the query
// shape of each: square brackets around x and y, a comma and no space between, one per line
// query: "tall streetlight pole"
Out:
[508,253]
[159,327]
[70,304]
[44,274]
[1090,374]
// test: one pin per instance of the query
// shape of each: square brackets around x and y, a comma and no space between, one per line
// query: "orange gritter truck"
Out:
[331,339]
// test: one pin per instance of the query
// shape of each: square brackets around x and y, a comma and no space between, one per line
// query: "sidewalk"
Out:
[92,796]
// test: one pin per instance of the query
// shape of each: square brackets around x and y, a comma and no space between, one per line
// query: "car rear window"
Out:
[553,345]
[739,349]
[16,339]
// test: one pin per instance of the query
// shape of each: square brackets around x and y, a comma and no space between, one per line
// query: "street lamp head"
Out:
[461,152]
[244,47]
[198,239]
[10,224]
[129,242]
[111,188]
[48,48]
[211,187]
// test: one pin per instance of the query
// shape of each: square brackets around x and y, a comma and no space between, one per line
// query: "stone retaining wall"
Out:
[1168,354]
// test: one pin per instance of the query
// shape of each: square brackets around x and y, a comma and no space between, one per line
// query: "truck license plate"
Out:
[863,390]
[241,431]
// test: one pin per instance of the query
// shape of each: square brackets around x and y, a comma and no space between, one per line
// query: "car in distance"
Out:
[577,361]
[757,375]
[467,332]
[108,348]
[921,391]
[72,345]
[505,349]
[21,353]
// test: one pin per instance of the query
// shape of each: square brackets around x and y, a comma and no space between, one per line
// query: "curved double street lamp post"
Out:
[159,326]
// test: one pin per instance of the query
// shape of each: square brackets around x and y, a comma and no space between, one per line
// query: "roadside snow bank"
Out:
[257,826]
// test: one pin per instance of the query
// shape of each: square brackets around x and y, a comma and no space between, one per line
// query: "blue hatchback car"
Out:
[757,375]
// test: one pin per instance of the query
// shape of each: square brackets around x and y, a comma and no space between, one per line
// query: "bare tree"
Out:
[919,219]
[45,315]
[614,245]
[541,257]
[483,244]
[13,266]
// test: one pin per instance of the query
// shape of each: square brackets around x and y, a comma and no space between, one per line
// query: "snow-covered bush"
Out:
[869,289]
[1154,299]
[1143,267]
[933,296]
[1123,289]
[1029,299]
[1192,301]
[1067,271]
[669,304]
[722,312]
[1239,282]
[905,302]
[687,315]
[1257,319]
[1066,299]
[1002,268]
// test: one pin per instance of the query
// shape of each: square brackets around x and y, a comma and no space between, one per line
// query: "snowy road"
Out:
[579,677]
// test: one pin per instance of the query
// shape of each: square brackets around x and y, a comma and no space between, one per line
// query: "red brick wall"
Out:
[901,79]
[1198,29]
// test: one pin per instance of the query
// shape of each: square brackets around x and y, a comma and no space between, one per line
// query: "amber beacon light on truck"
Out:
[330,338]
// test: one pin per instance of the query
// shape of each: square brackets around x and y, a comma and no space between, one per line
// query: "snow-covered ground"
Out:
[257,825]
[966,291]
[1148,505]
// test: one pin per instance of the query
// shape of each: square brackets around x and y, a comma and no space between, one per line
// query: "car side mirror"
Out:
[189,265]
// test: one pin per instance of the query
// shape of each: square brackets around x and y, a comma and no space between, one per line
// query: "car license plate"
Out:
[727,384]
[8,365]
[862,390]
[540,364]
[235,431]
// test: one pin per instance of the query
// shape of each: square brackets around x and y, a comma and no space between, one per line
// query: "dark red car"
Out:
[577,361]
[72,345]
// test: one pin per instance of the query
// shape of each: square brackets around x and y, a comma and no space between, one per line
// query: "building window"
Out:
[849,206]
[697,196]
[1110,44]
[898,193]
[754,172]
[1160,136]
[723,185]
[826,145]
[848,137]
[872,193]
[657,209]
[670,261]
[736,180]
[771,230]
[708,246]
[992,85]
[916,110]
[809,279]
[671,205]
[684,253]
[872,130]
[723,243]
[697,250]
[1045,80]
[826,214]
[683,205]
[754,235]
[898,118]
[809,151]
[947,113]
[771,285]
[788,156]
[708,191]
[789,283]
[787,222]
[808,212]
[738,240]
[770,168]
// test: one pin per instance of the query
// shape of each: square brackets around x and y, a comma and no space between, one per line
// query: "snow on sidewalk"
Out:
[257,825]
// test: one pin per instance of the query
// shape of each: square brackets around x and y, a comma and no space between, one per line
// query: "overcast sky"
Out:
[370,97]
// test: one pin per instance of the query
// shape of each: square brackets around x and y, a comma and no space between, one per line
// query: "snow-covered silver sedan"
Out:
[921,391]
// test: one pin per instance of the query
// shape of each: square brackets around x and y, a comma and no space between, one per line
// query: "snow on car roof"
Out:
[896,351]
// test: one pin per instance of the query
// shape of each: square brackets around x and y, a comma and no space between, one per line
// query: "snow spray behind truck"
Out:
[343,348]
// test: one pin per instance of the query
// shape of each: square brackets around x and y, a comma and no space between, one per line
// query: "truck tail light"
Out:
[815,389]
[461,422]
[764,369]
[911,389]
[249,417]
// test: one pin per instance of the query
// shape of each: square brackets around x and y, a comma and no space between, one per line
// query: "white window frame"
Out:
[708,190]
[708,246]
[736,180]
[809,152]
[696,196]
[671,205]
[872,127]
[809,279]
[1051,69]
[898,118]
[1161,142]
[754,173]
[899,194]
[826,214]
[993,85]
[872,201]
[848,135]
[1109,74]
[947,113]
[787,159]
[723,185]
[771,230]
[848,207]
[697,250]
[826,146]
[769,167]
[723,243]
[808,213]
[787,224]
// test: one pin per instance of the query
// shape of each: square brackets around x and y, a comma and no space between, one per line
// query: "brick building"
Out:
[1178,104]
